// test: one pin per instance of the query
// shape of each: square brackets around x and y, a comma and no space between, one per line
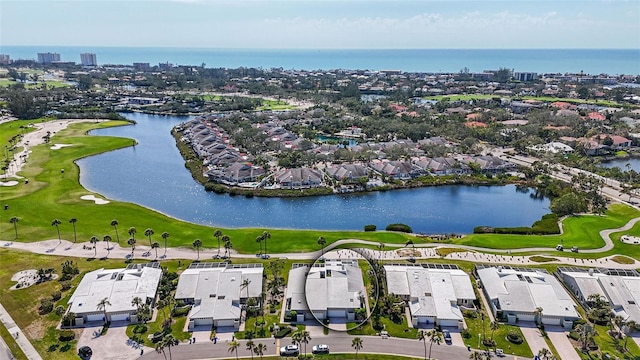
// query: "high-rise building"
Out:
[88,59]
[5,59]
[48,58]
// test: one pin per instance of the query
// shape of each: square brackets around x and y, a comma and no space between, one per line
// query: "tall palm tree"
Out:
[260,349]
[296,337]
[14,220]
[433,337]
[493,327]
[106,239]
[73,222]
[165,236]
[160,346]
[227,248]
[356,343]
[57,223]
[225,238]
[197,243]
[422,336]
[114,223]
[137,302]
[380,248]
[94,241]
[265,235]
[259,241]
[169,341]
[148,234]
[538,314]
[322,242]
[305,337]
[155,246]
[132,242]
[233,346]
[132,232]
[102,305]
[629,326]
[217,234]
[245,285]
[250,345]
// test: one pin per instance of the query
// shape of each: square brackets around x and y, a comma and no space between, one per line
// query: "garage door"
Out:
[96,317]
[337,313]
[448,323]
[319,315]
[225,323]
[119,317]
[203,322]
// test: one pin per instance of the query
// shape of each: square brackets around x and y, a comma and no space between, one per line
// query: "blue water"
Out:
[420,60]
[634,164]
[153,174]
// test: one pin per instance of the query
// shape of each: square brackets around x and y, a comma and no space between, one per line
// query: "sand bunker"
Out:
[59,146]
[26,278]
[8,183]
[96,200]
[628,239]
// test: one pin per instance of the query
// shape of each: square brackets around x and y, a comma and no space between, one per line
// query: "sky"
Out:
[323,24]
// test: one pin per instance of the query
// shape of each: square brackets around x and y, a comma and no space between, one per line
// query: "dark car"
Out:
[447,336]
[85,352]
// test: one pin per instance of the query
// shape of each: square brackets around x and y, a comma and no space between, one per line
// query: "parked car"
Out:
[447,336]
[574,249]
[559,247]
[500,352]
[85,352]
[320,349]
[290,350]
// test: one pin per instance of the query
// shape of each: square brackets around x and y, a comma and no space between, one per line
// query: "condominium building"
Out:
[88,59]
[48,58]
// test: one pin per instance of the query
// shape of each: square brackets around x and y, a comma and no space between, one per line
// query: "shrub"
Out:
[574,335]
[465,334]
[399,227]
[66,285]
[283,332]
[56,295]
[369,228]
[66,335]
[59,310]
[182,311]
[514,337]
[140,329]
[46,306]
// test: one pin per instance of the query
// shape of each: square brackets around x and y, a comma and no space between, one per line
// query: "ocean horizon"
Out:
[589,61]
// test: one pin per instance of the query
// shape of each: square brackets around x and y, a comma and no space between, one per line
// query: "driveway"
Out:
[563,346]
[456,338]
[636,337]
[114,345]
[534,338]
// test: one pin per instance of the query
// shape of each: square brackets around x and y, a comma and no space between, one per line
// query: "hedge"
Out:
[369,228]
[399,227]
[283,332]
[548,225]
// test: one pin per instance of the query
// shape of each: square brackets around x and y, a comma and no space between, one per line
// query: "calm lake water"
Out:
[152,174]
[634,163]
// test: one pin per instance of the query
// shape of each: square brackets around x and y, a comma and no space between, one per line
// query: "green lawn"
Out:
[606,344]
[11,343]
[499,336]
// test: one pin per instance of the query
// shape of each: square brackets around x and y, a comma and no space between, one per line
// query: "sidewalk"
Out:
[21,339]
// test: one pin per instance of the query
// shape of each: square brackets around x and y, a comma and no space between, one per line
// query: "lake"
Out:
[153,175]
[633,162]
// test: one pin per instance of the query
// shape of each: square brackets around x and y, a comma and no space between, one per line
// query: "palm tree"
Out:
[227,248]
[132,232]
[585,331]
[225,238]
[380,248]
[233,346]
[265,235]
[155,246]
[422,336]
[296,337]
[433,337]
[107,238]
[160,346]
[538,315]
[217,234]
[245,285]
[94,241]
[476,356]
[197,243]
[629,326]
[544,353]
[250,345]
[73,222]
[493,326]
[304,338]
[321,242]
[102,305]
[259,241]
[148,233]
[114,223]
[164,236]
[57,223]
[169,341]
[260,349]
[132,242]
[14,220]
[137,302]
[356,343]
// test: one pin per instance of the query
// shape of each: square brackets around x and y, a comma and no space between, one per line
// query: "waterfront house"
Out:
[298,178]
[348,173]
[236,173]
[400,170]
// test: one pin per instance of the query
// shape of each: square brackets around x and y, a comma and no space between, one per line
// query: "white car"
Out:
[289,350]
[320,349]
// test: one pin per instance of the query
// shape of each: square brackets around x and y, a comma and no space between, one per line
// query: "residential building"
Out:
[119,287]
[88,59]
[435,293]
[515,293]
[348,173]
[333,289]
[48,58]
[619,287]
[298,178]
[217,291]
[5,59]
[525,76]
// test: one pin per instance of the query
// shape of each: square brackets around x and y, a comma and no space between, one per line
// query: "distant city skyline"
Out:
[327,24]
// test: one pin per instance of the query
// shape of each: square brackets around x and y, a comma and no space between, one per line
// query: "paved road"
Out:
[21,339]
[5,353]
[339,343]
